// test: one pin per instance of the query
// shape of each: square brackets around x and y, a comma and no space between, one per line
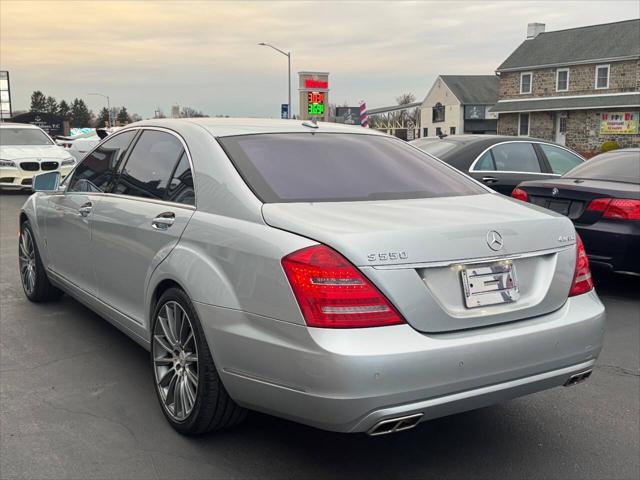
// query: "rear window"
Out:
[325,167]
[618,166]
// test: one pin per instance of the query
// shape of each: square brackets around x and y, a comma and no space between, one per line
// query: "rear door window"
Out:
[485,163]
[322,167]
[560,160]
[180,189]
[516,157]
[98,169]
[150,165]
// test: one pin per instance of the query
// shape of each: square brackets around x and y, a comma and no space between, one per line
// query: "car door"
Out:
[503,166]
[138,224]
[69,215]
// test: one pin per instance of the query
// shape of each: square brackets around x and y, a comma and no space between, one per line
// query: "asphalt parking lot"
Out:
[77,401]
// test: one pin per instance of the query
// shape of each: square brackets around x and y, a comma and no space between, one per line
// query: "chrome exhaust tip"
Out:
[393,425]
[577,378]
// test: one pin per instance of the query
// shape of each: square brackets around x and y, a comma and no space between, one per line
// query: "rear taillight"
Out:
[624,209]
[582,281]
[332,293]
[520,194]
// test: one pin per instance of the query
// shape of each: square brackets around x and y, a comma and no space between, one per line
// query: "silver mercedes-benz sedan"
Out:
[331,275]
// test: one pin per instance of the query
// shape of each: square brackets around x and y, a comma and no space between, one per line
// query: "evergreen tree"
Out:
[38,101]
[64,110]
[80,114]
[103,118]
[51,105]
[123,117]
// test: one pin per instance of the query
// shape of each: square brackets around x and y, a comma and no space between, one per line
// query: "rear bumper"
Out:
[349,380]
[613,244]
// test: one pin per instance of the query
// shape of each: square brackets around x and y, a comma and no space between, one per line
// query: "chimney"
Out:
[534,29]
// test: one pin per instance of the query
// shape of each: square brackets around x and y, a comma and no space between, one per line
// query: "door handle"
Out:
[85,209]
[489,179]
[163,221]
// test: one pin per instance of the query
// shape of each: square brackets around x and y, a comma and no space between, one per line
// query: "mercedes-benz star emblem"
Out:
[555,192]
[494,240]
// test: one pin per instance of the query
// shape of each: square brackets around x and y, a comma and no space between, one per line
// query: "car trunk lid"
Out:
[415,250]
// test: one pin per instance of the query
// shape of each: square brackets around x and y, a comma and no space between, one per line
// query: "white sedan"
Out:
[25,151]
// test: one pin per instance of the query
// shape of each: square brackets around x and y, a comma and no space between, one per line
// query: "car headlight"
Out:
[7,163]
[68,161]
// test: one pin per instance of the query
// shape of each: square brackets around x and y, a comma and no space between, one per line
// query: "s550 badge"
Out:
[385,257]
[566,238]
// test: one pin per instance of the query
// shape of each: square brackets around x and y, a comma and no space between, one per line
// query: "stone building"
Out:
[579,87]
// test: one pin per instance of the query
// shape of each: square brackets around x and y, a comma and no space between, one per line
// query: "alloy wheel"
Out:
[27,261]
[175,359]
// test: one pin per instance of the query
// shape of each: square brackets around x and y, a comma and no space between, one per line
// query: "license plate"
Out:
[489,284]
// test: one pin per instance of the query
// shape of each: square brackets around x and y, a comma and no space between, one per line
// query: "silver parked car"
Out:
[327,274]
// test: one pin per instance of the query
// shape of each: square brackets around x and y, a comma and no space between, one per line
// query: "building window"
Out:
[452,130]
[438,113]
[562,80]
[438,132]
[525,82]
[523,124]
[425,132]
[602,76]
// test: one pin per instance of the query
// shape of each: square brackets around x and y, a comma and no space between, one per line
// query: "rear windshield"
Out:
[328,167]
[23,136]
[619,166]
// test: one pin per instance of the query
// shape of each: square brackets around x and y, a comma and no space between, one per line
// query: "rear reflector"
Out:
[582,281]
[520,194]
[332,293]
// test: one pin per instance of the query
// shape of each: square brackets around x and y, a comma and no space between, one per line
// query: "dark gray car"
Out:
[501,162]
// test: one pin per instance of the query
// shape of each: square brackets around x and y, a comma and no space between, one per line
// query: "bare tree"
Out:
[188,112]
[406,99]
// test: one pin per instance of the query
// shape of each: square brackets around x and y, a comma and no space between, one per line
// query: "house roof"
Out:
[595,43]
[473,89]
[582,102]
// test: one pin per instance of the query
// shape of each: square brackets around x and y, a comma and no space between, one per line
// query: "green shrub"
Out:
[610,145]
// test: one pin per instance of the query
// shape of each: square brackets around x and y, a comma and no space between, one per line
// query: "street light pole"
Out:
[111,122]
[288,55]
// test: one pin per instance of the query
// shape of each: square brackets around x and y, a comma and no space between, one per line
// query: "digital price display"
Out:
[316,103]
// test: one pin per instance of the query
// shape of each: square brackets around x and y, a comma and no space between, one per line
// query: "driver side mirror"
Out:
[46,182]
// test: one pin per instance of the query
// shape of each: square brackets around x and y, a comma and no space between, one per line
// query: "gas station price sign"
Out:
[316,103]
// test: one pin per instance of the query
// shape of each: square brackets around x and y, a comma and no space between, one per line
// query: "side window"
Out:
[150,165]
[485,163]
[561,161]
[180,188]
[97,170]
[516,157]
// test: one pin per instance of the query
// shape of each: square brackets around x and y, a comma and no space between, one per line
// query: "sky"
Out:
[205,54]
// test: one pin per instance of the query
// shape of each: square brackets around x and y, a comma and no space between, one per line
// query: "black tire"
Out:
[213,409]
[42,289]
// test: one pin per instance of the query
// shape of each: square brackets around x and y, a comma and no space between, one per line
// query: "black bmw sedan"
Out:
[501,162]
[602,197]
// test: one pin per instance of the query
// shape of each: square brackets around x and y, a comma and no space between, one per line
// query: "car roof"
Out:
[223,127]
[18,125]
